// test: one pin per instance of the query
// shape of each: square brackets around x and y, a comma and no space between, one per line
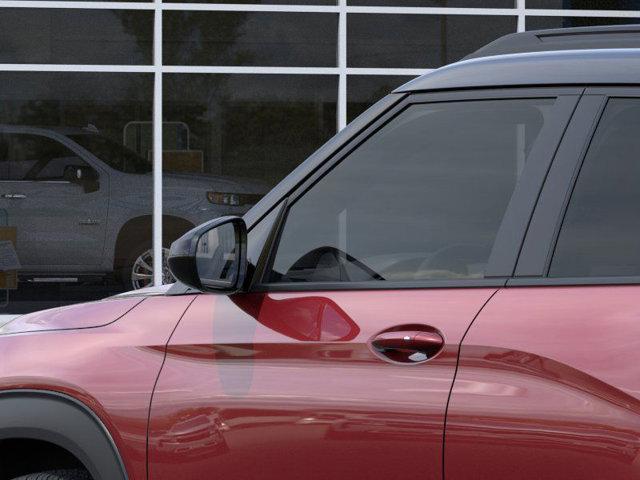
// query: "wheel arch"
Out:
[63,421]
[139,229]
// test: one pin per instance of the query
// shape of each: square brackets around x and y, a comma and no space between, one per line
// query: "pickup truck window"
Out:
[34,157]
[112,153]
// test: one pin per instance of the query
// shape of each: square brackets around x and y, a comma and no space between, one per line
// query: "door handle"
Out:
[14,196]
[408,346]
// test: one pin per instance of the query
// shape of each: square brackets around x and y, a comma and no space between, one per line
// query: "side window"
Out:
[601,229]
[36,157]
[421,199]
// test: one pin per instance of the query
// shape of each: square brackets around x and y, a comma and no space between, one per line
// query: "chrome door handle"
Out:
[15,196]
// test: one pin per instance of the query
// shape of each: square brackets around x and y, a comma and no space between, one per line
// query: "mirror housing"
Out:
[212,256]
[82,175]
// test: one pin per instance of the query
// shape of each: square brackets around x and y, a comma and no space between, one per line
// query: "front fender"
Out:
[63,421]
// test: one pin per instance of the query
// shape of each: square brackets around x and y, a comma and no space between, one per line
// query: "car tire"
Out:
[57,475]
[136,265]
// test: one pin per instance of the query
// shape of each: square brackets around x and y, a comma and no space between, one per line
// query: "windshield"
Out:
[113,154]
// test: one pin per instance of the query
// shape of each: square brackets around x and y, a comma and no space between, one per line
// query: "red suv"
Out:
[450,288]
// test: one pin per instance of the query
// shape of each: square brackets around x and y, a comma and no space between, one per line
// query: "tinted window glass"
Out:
[76,36]
[419,41]
[365,90]
[586,4]
[250,38]
[435,3]
[541,23]
[601,230]
[421,199]
[35,157]
[112,153]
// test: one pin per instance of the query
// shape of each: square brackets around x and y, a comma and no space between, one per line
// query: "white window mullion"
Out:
[522,9]
[157,144]
[342,64]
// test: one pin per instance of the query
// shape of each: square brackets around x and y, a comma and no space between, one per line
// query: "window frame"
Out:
[511,232]
[539,246]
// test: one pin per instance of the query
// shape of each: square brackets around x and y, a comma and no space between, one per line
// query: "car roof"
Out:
[620,66]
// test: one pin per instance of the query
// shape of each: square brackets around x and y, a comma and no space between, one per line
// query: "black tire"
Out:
[57,475]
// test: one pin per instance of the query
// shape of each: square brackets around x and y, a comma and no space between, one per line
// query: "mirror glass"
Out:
[217,256]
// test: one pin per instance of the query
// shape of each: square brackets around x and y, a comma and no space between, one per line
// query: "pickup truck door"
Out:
[60,224]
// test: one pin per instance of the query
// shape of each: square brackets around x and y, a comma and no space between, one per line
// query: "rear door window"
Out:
[600,234]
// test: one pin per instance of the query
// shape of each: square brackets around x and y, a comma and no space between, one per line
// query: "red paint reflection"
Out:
[310,318]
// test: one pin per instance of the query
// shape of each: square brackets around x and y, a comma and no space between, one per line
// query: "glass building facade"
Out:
[124,124]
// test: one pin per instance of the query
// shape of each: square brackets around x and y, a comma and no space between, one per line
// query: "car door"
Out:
[338,361]
[548,382]
[60,224]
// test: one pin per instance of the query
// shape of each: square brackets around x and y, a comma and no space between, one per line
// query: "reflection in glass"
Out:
[122,37]
[248,131]
[261,2]
[75,209]
[541,23]
[419,41]
[586,4]
[250,38]
[435,3]
[365,90]
[217,256]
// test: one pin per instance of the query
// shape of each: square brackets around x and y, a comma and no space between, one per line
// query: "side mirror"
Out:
[82,175]
[213,256]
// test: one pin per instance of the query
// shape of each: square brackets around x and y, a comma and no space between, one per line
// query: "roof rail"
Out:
[578,38]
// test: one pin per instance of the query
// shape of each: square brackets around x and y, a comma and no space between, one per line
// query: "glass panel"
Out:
[419,41]
[261,2]
[73,1]
[35,35]
[250,38]
[71,205]
[540,23]
[422,199]
[436,3]
[365,90]
[600,233]
[229,138]
[586,4]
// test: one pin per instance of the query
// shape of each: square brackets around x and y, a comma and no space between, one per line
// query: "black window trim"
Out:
[515,222]
[540,243]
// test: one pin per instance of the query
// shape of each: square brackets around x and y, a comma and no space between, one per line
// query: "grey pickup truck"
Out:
[81,204]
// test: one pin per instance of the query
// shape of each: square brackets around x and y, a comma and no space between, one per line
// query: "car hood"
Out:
[72,317]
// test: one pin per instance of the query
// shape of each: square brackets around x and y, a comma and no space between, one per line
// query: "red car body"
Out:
[522,375]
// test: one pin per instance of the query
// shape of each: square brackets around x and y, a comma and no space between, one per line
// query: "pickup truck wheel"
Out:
[139,270]
[57,475]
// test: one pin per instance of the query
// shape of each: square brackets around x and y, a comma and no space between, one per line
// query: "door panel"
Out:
[548,386]
[60,224]
[285,385]
[57,223]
